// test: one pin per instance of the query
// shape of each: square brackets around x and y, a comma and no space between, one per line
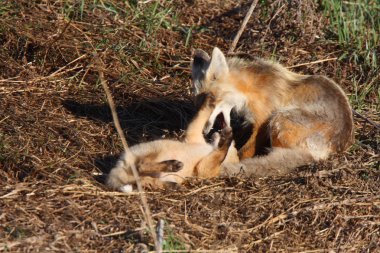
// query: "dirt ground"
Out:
[57,139]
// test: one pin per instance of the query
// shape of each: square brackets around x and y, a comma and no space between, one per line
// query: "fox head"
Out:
[206,70]
[212,75]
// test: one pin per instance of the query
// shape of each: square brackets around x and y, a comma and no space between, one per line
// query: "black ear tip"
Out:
[199,54]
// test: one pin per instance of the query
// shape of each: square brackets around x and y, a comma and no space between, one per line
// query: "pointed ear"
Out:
[199,66]
[218,65]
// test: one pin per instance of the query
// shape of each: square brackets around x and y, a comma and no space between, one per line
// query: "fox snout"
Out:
[216,124]
[219,118]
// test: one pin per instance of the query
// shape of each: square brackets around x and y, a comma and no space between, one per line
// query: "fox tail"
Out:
[279,161]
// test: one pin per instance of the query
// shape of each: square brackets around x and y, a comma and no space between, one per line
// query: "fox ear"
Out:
[199,66]
[218,65]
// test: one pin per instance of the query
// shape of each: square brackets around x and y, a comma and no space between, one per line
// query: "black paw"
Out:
[172,165]
[171,185]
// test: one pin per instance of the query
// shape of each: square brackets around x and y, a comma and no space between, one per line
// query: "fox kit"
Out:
[168,161]
[303,118]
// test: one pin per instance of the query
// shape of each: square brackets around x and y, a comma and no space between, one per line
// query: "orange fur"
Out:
[164,162]
[302,116]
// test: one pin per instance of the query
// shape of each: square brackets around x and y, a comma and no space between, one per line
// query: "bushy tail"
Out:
[279,161]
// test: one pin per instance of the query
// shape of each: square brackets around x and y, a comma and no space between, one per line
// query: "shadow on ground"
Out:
[141,120]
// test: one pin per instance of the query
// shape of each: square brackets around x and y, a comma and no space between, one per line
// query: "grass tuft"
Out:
[172,243]
[356,25]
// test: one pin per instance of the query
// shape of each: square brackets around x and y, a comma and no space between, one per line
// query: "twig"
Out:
[120,132]
[160,235]
[115,233]
[242,27]
[58,35]
[370,200]
[366,119]
[113,111]
[57,73]
[14,192]
[270,21]
[4,118]
[311,63]
[202,188]
[54,38]
[267,238]
[62,68]
[11,244]
[228,250]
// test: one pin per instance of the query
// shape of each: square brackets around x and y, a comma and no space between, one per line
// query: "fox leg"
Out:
[194,132]
[150,172]
[210,165]
[232,154]
[297,138]
[149,167]
[249,148]
[299,128]
[279,161]
[121,174]
[154,183]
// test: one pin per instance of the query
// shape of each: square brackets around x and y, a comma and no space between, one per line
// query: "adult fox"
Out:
[304,118]
[169,161]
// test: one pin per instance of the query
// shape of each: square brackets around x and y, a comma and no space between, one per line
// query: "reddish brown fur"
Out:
[305,114]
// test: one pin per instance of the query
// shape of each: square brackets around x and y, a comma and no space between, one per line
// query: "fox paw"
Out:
[225,137]
[152,168]
[126,188]
[215,139]
[172,165]
[156,184]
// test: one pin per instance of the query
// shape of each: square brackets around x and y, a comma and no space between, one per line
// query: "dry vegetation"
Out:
[57,137]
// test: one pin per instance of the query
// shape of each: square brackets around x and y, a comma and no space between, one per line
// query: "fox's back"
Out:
[272,88]
[301,118]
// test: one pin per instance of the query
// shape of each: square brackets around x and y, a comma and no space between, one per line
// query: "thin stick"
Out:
[268,237]
[160,235]
[311,63]
[370,200]
[113,111]
[62,68]
[142,195]
[115,233]
[242,27]
[202,188]
[366,119]
[233,250]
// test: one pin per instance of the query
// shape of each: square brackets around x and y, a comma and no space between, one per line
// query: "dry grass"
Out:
[57,137]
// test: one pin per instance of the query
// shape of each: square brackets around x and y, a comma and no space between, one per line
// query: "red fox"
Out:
[304,118]
[162,162]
